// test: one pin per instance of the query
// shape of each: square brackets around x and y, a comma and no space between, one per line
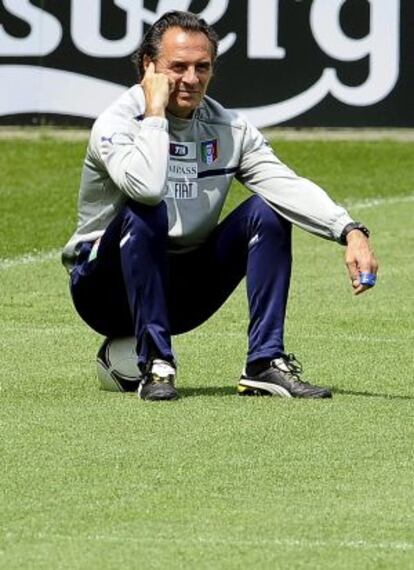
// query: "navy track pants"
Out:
[135,286]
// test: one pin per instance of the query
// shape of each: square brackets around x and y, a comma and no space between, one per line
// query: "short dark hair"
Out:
[174,19]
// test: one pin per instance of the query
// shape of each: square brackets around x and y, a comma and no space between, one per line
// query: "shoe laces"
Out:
[289,365]
[161,372]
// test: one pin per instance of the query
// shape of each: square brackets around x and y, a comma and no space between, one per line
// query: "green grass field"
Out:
[99,480]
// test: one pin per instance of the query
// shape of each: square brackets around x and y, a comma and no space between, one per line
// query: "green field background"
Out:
[99,480]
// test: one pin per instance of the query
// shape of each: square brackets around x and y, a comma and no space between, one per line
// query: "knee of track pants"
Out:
[264,218]
[152,221]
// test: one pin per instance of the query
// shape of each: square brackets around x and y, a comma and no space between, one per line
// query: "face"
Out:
[186,58]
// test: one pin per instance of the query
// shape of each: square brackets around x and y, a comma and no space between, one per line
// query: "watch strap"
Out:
[353,226]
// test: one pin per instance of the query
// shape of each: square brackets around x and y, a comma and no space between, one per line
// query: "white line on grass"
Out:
[42,256]
[284,542]
[287,542]
[29,258]
[336,334]
[374,202]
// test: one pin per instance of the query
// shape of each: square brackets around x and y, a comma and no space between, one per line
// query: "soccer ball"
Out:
[117,366]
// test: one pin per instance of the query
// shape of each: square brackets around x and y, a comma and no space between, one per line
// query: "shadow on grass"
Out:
[371,394]
[207,391]
[188,392]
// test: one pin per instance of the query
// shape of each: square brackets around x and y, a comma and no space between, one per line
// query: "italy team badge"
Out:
[209,151]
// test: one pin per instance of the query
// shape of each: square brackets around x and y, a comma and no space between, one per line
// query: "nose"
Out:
[190,76]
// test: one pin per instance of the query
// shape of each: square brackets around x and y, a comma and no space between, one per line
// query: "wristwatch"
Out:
[353,226]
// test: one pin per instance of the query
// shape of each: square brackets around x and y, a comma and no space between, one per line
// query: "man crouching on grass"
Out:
[149,257]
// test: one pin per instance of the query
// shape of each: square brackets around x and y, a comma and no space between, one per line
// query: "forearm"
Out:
[297,199]
[139,165]
[300,201]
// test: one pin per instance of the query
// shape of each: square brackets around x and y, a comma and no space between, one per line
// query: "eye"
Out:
[178,67]
[203,67]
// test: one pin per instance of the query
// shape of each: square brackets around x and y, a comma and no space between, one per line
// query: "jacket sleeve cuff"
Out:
[339,226]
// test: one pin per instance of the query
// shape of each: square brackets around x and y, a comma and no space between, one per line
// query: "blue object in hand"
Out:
[368,279]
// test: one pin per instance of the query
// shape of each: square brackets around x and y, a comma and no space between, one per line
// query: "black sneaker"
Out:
[282,378]
[158,383]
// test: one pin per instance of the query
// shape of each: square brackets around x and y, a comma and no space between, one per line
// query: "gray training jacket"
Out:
[190,164]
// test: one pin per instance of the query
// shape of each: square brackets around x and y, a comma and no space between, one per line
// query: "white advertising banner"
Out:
[316,62]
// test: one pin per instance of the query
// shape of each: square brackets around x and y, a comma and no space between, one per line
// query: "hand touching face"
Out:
[157,90]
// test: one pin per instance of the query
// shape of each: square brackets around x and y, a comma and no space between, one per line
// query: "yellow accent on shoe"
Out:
[242,389]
